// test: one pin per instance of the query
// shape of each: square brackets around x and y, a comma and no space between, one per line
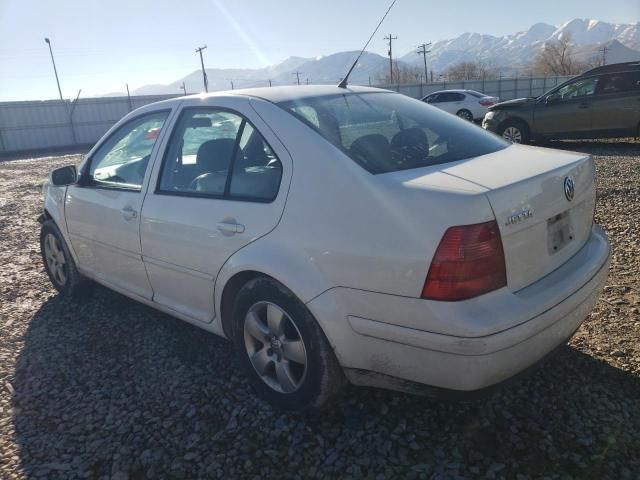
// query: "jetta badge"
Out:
[569,188]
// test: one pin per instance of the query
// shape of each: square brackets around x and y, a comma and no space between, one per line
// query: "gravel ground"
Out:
[108,388]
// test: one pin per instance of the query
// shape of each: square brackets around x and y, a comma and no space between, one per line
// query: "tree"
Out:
[402,73]
[557,58]
[471,71]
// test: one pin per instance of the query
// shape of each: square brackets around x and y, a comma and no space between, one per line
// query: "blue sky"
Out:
[101,45]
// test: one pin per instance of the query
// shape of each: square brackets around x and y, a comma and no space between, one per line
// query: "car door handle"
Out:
[129,213]
[583,105]
[230,228]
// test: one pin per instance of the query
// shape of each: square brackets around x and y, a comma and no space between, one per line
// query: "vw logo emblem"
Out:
[569,188]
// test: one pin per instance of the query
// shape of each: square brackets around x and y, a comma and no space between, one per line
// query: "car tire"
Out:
[58,262]
[465,115]
[515,131]
[283,350]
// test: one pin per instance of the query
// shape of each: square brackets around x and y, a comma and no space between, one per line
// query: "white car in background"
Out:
[467,104]
[335,233]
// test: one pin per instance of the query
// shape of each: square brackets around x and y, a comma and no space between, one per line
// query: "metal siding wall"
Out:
[39,125]
[28,126]
[505,88]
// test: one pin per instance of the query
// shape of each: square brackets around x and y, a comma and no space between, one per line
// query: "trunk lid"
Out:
[541,225]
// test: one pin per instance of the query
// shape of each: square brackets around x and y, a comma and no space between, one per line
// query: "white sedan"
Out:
[335,234]
[467,104]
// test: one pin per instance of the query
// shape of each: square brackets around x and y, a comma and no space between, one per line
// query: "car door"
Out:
[566,111]
[616,104]
[221,185]
[102,209]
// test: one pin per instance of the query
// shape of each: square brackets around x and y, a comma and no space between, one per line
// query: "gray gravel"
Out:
[108,388]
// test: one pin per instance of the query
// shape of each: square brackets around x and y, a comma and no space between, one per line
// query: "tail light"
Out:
[468,262]
[486,103]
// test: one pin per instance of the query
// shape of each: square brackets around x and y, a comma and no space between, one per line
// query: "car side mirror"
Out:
[553,98]
[63,176]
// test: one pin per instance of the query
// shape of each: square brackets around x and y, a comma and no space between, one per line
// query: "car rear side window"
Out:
[218,153]
[619,83]
[385,132]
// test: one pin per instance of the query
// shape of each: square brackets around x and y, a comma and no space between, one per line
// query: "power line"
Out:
[390,38]
[204,72]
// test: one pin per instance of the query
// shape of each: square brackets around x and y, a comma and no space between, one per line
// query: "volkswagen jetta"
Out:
[335,234]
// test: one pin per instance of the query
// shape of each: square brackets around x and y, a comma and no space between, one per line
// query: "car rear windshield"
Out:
[386,132]
[475,94]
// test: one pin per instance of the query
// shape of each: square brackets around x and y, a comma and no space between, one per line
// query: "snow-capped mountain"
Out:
[517,50]
[508,53]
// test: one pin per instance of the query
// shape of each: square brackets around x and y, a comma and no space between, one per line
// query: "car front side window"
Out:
[578,89]
[122,160]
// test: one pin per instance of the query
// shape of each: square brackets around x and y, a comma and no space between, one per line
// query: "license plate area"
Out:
[559,232]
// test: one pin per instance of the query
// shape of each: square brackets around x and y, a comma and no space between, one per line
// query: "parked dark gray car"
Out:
[601,103]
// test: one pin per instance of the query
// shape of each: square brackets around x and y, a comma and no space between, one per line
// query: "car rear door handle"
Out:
[230,228]
[129,213]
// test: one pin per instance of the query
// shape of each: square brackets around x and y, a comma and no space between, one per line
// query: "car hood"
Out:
[515,103]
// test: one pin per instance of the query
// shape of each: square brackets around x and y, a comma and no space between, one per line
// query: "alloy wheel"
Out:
[55,259]
[512,134]
[275,347]
[465,115]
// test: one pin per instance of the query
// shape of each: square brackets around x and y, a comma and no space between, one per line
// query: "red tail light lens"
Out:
[468,262]
[486,103]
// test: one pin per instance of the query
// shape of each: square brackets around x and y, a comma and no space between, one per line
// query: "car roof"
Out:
[286,93]
[457,90]
[613,68]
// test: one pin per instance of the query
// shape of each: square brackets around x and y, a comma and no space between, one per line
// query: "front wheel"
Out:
[58,262]
[287,358]
[515,132]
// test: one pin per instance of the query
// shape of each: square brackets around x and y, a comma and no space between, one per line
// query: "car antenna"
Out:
[343,82]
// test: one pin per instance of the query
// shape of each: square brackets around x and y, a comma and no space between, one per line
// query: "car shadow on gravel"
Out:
[108,387]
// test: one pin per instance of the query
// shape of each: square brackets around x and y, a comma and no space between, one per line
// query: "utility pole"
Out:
[55,71]
[204,73]
[269,82]
[183,87]
[390,39]
[604,55]
[231,81]
[422,49]
[297,74]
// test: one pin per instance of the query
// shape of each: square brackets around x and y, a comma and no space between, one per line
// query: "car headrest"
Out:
[410,146]
[372,151]
[215,155]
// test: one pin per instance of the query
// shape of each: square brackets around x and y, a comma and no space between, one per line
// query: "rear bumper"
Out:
[366,337]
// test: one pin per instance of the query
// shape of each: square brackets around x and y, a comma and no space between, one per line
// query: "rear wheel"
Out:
[465,115]
[287,358]
[58,262]
[514,131]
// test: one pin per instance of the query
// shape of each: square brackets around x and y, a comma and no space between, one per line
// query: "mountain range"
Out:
[509,54]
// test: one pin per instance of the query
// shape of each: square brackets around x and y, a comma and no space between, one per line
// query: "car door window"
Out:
[218,153]
[122,160]
[580,88]
[256,169]
[432,98]
[457,97]
[200,151]
[619,83]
